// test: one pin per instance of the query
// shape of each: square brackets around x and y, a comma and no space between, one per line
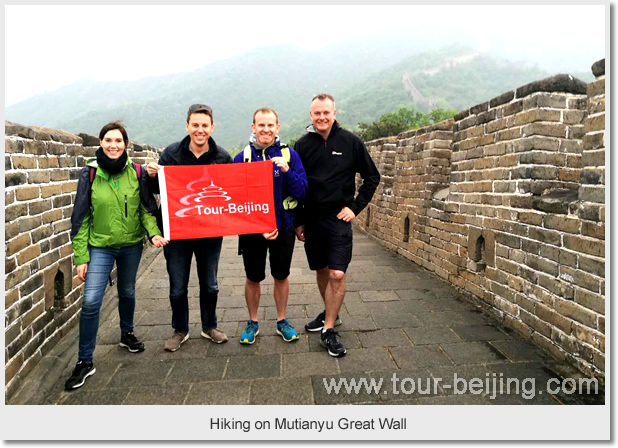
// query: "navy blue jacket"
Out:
[293,183]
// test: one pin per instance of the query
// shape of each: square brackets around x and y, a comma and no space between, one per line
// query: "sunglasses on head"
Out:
[196,107]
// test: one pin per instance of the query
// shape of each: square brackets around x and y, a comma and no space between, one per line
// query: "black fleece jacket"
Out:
[331,166]
[178,153]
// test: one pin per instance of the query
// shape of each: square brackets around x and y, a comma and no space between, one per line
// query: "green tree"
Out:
[392,123]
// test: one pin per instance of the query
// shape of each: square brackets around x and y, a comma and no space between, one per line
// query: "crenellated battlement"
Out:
[506,202]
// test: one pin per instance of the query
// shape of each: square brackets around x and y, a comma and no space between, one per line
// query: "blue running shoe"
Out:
[251,331]
[286,331]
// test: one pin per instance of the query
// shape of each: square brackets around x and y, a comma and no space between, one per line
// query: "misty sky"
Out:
[47,47]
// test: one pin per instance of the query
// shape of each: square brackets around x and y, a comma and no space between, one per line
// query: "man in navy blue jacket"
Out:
[290,185]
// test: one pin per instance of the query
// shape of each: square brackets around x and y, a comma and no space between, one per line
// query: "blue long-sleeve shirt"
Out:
[293,183]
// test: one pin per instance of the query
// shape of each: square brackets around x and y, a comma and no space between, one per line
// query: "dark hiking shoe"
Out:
[131,343]
[333,345]
[318,323]
[79,375]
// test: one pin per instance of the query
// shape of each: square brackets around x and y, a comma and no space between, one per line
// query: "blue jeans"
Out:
[178,256]
[101,264]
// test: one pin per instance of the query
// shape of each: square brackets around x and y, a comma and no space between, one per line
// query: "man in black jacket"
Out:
[197,148]
[331,156]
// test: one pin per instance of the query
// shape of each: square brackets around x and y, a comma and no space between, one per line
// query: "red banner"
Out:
[200,201]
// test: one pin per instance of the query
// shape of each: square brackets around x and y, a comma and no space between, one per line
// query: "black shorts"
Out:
[254,247]
[328,242]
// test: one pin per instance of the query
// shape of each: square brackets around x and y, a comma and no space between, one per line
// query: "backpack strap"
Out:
[93,171]
[285,152]
[138,169]
[246,154]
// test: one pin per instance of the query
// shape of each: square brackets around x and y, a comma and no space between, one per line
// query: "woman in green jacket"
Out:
[111,215]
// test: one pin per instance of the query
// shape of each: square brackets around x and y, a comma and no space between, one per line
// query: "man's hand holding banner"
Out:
[200,201]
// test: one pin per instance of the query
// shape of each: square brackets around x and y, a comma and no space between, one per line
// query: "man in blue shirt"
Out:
[289,185]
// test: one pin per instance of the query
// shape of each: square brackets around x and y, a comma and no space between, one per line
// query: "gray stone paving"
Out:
[398,319]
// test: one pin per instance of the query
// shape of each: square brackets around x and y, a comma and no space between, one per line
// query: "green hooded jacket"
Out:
[116,217]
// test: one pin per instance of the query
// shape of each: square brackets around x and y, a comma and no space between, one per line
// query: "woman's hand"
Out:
[152,169]
[159,241]
[82,269]
[272,235]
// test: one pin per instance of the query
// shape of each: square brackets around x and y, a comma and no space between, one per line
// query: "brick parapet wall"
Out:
[505,202]
[42,291]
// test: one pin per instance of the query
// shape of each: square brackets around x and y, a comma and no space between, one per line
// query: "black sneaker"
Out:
[333,345]
[131,343]
[318,323]
[79,375]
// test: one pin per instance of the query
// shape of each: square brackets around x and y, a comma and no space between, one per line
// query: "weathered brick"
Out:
[53,215]
[32,314]
[13,146]
[59,240]
[56,148]
[580,278]
[24,162]
[541,264]
[590,300]
[585,245]
[61,226]
[66,162]
[59,175]
[12,367]
[48,162]
[49,259]
[592,265]
[50,190]
[508,240]
[34,283]
[38,207]
[593,229]
[568,258]
[28,254]
[26,224]
[35,147]
[13,179]
[12,212]
[41,233]
[11,230]
[62,201]
[545,129]
[577,312]
[558,287]
[545,236]
[596,123]
[26,193]
[536,172]
[573,116]
[532,247]
[17,244]
[593,176]
[589,212]
[69,187]
[534,115]
[594,141]
[562,223]
[534,322]
[551,252]
[38,177]
[552,317]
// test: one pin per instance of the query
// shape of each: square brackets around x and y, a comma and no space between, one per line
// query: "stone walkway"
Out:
[397,319]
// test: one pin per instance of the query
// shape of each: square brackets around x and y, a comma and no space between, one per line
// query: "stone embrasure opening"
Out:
[59,292]
[406,229]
